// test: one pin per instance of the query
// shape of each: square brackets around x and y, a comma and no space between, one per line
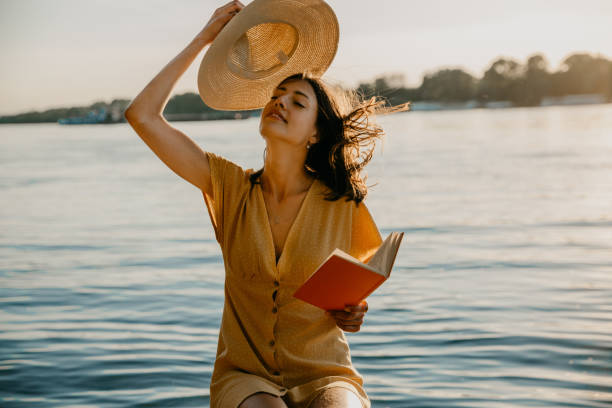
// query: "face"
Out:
[291,114]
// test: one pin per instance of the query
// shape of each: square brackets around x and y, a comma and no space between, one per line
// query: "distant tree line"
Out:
[52,115]
[184,104]
[505,80]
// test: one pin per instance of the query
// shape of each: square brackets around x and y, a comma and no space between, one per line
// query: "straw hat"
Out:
[267,41]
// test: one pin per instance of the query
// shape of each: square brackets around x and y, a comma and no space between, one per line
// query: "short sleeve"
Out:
[229,184]
[365,237]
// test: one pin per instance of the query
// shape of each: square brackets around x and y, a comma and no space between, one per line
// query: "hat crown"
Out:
[267,41]
[262,49]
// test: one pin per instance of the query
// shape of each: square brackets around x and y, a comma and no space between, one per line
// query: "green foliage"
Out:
[505,80]
[448,85]
[53,115]
[502,81]
[186,103]
[381,87]
[583,73]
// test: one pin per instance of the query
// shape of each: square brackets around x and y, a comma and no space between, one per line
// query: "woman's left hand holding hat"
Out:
[219,19]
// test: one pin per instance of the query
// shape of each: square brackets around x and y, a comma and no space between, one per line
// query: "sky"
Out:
[64,53]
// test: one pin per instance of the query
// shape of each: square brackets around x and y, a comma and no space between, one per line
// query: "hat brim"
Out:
[224,86]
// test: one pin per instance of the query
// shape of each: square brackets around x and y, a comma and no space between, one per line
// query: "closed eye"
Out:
[297,103]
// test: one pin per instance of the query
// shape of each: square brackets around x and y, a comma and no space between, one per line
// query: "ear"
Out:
[314,138]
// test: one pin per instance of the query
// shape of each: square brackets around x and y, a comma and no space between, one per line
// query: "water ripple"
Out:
[112,282]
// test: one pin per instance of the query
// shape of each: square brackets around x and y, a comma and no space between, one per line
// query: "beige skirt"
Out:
[238,386]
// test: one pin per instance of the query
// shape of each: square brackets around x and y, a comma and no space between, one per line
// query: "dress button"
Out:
[272,343]
[276,283]
[274,309]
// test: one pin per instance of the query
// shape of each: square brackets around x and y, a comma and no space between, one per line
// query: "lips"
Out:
[277,115]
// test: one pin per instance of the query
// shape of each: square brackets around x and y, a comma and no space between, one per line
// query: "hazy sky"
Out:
[58,53]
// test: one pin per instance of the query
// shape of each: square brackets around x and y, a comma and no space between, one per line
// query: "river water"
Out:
[111,281]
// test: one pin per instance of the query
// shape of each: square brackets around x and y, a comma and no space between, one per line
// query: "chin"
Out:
[268,130]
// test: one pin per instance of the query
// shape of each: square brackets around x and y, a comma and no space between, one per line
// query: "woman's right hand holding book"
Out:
[351,318]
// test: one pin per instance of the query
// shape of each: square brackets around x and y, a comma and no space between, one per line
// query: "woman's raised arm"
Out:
[179,152]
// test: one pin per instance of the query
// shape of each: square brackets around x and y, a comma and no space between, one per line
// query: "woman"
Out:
[275,226]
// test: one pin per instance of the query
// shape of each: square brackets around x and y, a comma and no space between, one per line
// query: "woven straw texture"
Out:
[266,42]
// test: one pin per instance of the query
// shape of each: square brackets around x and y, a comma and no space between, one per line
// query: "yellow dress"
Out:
[270,341]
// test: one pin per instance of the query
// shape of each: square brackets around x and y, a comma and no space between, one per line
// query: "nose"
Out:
[279,101]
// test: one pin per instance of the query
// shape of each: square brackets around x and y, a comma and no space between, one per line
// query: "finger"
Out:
[352,329]
[353,322]
[236,6]
[350,319]
[361,307]
[339,314]
[350,310]
[345,315]
[353,310]
[230,7]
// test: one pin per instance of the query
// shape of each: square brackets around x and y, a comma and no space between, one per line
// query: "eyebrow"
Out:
[297,92]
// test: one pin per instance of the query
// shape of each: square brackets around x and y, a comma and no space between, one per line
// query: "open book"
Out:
[344,280]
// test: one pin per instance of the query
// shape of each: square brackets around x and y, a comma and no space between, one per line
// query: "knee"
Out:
[263,400]
[336,397]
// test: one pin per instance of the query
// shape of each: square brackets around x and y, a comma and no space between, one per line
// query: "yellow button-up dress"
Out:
[270,341]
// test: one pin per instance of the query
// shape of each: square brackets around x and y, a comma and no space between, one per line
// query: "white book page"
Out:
[351,258]
[384,257]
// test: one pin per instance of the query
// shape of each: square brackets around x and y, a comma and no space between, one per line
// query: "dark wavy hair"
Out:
[347,137]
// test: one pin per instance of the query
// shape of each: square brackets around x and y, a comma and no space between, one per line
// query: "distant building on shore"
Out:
[434,106]
[115,115]
[582,99]
[94,116]
[115,112]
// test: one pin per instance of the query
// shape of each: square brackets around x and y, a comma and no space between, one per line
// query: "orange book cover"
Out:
[344,280]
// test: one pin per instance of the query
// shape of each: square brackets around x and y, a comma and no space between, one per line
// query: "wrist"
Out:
[203,39]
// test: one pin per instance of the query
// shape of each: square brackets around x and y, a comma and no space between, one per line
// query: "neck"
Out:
[283,175]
